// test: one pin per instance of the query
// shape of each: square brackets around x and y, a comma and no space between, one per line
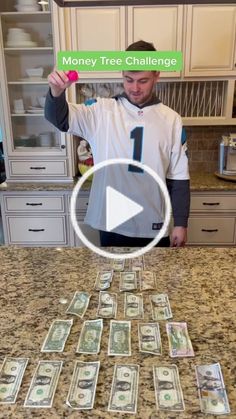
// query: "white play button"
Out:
[119,208]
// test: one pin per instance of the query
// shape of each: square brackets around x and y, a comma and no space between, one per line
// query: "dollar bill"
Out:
[149,338]
[83,385]
[118,265]
[107,306]
[120,338]
[180,344]
[90,337]
[124,391]
[137,264]
[128,281]
[160,307]
[168,390]
[103,280]
[211,389]
[121,250]
[43,384]
[57,336]
[133,306]
[147,280]
[79,304]
[11,376]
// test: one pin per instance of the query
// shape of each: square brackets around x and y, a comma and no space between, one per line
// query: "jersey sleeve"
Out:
[178,167]
[84,120]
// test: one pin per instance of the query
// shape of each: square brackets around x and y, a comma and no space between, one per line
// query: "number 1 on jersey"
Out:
[136,135]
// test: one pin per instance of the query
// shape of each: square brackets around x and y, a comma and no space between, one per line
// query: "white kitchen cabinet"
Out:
[210,40]
[37,218]
[30,141]
[161,25]
[98,29]
[36,230]
[212,219]
[104,29]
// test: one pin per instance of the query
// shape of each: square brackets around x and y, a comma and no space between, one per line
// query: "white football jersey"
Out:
[115,128]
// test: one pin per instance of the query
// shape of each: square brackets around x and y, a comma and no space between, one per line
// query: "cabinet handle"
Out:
[210,203]
[214,230]
[36,230]
[33,204]
[37,168]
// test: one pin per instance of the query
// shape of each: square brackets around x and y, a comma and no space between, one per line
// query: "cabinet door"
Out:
[24,66]
[37,231]
[210,40]
[211,230]
[98,29]
[161,25]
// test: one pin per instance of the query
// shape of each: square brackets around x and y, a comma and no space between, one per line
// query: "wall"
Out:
[203,145]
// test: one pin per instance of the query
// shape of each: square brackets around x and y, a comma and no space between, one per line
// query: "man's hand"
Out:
[178,237]
[58,82]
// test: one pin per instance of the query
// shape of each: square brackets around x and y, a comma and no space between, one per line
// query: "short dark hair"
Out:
[141,46]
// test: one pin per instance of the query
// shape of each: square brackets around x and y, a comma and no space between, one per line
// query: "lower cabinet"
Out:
[212,219]
[35,219]
[211,230]
[37,230]
[42,218]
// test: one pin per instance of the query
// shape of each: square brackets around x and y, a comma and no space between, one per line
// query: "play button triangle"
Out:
[119,208]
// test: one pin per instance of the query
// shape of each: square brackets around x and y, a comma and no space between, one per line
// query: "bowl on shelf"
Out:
[34,72]
[26,8]
[41,100]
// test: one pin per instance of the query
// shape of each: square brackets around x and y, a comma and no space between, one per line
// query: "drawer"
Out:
[38,168]
[211,230]
[213,203]
[36,230]
[34,203]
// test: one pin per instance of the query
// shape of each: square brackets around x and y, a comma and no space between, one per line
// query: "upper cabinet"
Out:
[210,40]
[204,33]
[150,24]
[34,148]
[98,29]
[114,28]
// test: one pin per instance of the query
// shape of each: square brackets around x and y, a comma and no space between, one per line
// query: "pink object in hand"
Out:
[73,75]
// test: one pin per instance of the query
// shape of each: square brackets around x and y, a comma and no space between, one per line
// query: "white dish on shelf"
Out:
[26,8]
[34,72]
[36,108]
[18,111]
[21,44]
[33,79]
[37,111]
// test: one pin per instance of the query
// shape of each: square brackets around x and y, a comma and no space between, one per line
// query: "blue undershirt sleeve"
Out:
[56,111]
[179,191]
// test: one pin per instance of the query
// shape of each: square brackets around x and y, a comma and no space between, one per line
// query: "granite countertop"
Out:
[209,182]
[200,283]
[199,182]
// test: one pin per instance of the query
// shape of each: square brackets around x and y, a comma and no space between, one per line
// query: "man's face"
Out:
[139,85]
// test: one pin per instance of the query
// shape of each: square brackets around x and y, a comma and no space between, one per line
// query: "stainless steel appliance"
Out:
[227,155]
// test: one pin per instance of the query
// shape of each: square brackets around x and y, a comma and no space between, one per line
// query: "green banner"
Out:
[119,60]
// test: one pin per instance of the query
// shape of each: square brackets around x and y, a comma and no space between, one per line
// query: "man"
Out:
[112,126]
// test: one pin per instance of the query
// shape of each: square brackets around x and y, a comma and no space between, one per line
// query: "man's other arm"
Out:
[179,191]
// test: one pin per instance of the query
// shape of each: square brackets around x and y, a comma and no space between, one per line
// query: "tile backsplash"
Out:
[203,143]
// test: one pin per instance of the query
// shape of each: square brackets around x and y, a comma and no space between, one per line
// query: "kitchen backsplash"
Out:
[203,143]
